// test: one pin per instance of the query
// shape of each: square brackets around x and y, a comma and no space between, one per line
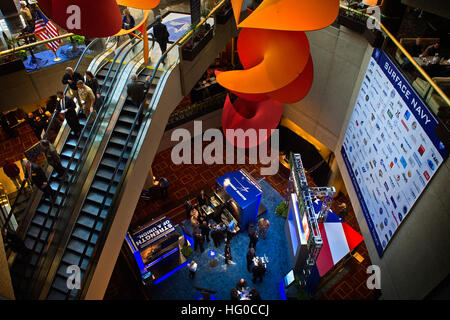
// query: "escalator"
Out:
[95,209]
[39,233]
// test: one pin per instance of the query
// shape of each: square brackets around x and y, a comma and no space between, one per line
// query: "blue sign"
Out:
[244,192]
[152,233]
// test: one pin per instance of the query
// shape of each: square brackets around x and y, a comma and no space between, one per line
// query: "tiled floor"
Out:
[185,181]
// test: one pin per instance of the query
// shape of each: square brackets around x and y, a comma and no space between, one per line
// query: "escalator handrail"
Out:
[5,225]
[125,146]
[67,86]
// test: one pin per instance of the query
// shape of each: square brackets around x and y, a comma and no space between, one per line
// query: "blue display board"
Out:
[244,192]
[390,148]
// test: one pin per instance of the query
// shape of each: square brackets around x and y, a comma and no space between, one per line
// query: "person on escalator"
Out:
[53,158]
[87,101]
[38,178]
[71,78]
[67,106]
[136,93]
[92,82]
[161,35]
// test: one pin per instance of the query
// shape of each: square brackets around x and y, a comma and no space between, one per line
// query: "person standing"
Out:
[250,257]
[88,99]
[13,172]
[188,208]
[234,294]
[202,198]
[53,158]
[164,186]
[128,21]
[71,78]
[228,256]
[192,269]
[263,226]
[67,106]
[38,178]
[198,241]
[241,284]
[216,236]
[343,210]
[161,35]
[253,239]
[230,230]
[205,228]
[258,272]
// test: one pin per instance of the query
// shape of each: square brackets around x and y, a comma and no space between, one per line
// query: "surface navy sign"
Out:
[390,148]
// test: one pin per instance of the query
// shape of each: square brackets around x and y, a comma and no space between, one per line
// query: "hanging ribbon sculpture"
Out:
[97,19]
[278,68]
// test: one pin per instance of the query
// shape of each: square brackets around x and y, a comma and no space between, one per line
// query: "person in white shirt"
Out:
[192,269]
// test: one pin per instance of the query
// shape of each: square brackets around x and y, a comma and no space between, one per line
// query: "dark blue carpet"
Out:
[224,277]
[45,59]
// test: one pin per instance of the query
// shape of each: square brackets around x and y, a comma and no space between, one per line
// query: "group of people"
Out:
[242,292]
[33,173]
[433,53]
[204,231]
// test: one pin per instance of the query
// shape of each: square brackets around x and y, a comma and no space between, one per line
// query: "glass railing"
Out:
[428,75]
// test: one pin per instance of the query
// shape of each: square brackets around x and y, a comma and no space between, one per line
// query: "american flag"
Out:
[45,29]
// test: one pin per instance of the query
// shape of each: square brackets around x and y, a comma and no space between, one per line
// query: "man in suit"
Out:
[241,284]
[198,241]
[258,272]
[136,90]
[88,100]
[71,78]
[253,235]
[161,35]
[216,236]
[205,228]
[250,256]
[38,178]
[67,106]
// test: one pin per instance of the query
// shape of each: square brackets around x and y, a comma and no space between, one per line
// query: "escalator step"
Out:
[39,222]
[92,210]
[112,150]
[60,283]
[82,233]
[126,118]
[112,162]
[106,172]
[34,230]
[131,108]
[71,258]
[79,246]
[101,185]
[98,198]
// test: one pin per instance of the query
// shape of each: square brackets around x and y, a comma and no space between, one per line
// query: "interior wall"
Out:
[337,55]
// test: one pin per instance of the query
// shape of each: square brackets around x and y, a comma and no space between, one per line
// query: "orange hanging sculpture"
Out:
[275,54]
[97,19]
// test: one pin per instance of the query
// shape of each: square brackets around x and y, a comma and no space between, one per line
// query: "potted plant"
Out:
[76,41]
[282,209]
[200,38]
[187,251]
[224,13]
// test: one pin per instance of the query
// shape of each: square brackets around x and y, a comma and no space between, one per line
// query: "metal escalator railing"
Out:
[89,138]
[102,236]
